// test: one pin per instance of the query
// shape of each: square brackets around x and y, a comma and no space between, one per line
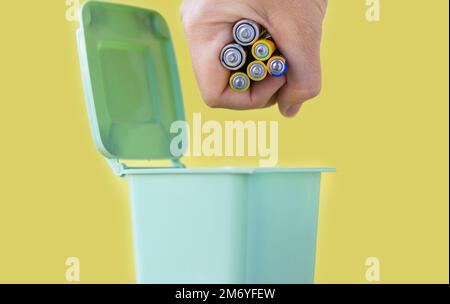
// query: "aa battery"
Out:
[263,49]
[246,32]
[257,70]
[239,82]
[277,66]
[233,57]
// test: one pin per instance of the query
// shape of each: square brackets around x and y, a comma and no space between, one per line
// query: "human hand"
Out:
[296,27]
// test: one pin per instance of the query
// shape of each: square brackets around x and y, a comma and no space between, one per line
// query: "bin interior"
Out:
[131,80]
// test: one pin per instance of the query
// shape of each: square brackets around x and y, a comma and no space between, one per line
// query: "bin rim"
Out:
[222,171]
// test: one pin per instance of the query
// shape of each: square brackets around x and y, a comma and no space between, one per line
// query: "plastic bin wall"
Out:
[224,227]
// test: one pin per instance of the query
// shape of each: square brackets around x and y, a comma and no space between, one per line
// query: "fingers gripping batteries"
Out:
[251,38]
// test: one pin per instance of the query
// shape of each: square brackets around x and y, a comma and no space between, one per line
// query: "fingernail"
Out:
[293,110]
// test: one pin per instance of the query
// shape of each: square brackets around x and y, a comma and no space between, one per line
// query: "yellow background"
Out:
[382,120]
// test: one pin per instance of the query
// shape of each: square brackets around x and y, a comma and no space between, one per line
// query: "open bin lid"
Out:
[131,80]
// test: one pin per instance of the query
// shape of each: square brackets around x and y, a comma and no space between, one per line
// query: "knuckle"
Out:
[311,92]
[259,102]
[304,94]
[192,16]
[212,101]
[182,11]
[186,21]
[213,104]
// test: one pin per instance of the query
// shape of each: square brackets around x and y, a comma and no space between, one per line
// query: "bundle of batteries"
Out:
[251,37]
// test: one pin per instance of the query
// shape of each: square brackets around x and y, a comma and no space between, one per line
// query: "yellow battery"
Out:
[239,82]
[263,49]
[257,70]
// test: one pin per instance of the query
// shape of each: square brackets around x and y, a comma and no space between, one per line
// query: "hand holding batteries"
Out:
[295,26]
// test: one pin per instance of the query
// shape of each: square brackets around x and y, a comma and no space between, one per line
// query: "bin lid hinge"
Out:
[178,164]
[117,167]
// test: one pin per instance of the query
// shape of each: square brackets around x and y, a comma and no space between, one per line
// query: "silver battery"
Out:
[246,32]
[233,57]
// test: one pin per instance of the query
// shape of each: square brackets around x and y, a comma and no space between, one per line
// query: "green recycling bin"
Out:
[231,225]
